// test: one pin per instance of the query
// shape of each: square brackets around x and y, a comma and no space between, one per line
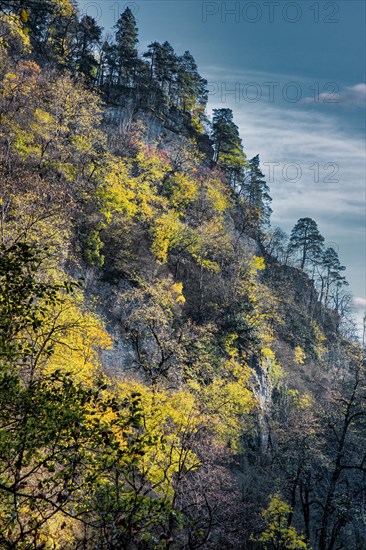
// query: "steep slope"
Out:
[166,380]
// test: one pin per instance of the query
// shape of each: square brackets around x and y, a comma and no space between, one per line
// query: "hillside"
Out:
[174,372]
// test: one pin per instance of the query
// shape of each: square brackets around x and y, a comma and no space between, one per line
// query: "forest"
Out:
[174,371]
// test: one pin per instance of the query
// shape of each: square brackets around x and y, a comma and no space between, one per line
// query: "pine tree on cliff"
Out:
[88,37]
[331,275]
[191,87]
[256,193]
[306,241]
[228,147]
[126,46]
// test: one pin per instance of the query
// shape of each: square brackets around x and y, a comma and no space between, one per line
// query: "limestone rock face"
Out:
[168,128]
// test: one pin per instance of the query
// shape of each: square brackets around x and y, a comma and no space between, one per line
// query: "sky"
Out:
[294,75]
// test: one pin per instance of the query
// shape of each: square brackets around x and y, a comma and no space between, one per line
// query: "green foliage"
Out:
[87,36]
[126,42]
[93,248]
[24,301]
[306,241]
[256,194]
[229,153]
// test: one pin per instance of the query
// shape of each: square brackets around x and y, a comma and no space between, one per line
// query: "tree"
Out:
[341,488]
[152,54]
[159,346]
[276,244]
[191,87]
[163,74]
[79,462]
[330,276]
[39,414]
[306,241]
[256,194]
[108,64]
[14,39]
[177,80]
[166,64]
[278,535]
[88,36]
[126,47]
[228,147]
[48,23]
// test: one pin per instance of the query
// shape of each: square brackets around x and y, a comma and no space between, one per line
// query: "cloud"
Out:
[359,307]
[359,304]
[279,88]
[351,96]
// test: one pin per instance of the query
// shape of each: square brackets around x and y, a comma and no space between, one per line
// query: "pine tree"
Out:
[108,64]
[256,193]
[168,66]
[331,275]
[88,36]
[176,78]
[152,54]
[163,65]
[126,46]
[228,147]
[306,241]
[191,87]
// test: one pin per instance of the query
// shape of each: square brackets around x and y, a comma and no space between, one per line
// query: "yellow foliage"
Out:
[184,190]
[60,531]
[270,365]
[29,218]
[226,400]
[306,401]
[43,117]
[118,192]
[300,355]
[268,354]
[217,195]
[319,340]
[177,289]
[12,30]
[76,341]
[302,401]
[24,15]
[22,82]
[277,531]
[169,419]
[263,315]
[158,301]
[229,342]
[152,165]
[166,230]
[65,7]
[196,125]
[258,264]
[210,243]
[59,133]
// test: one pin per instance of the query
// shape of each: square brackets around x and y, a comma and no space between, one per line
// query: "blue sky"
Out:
[294,75]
